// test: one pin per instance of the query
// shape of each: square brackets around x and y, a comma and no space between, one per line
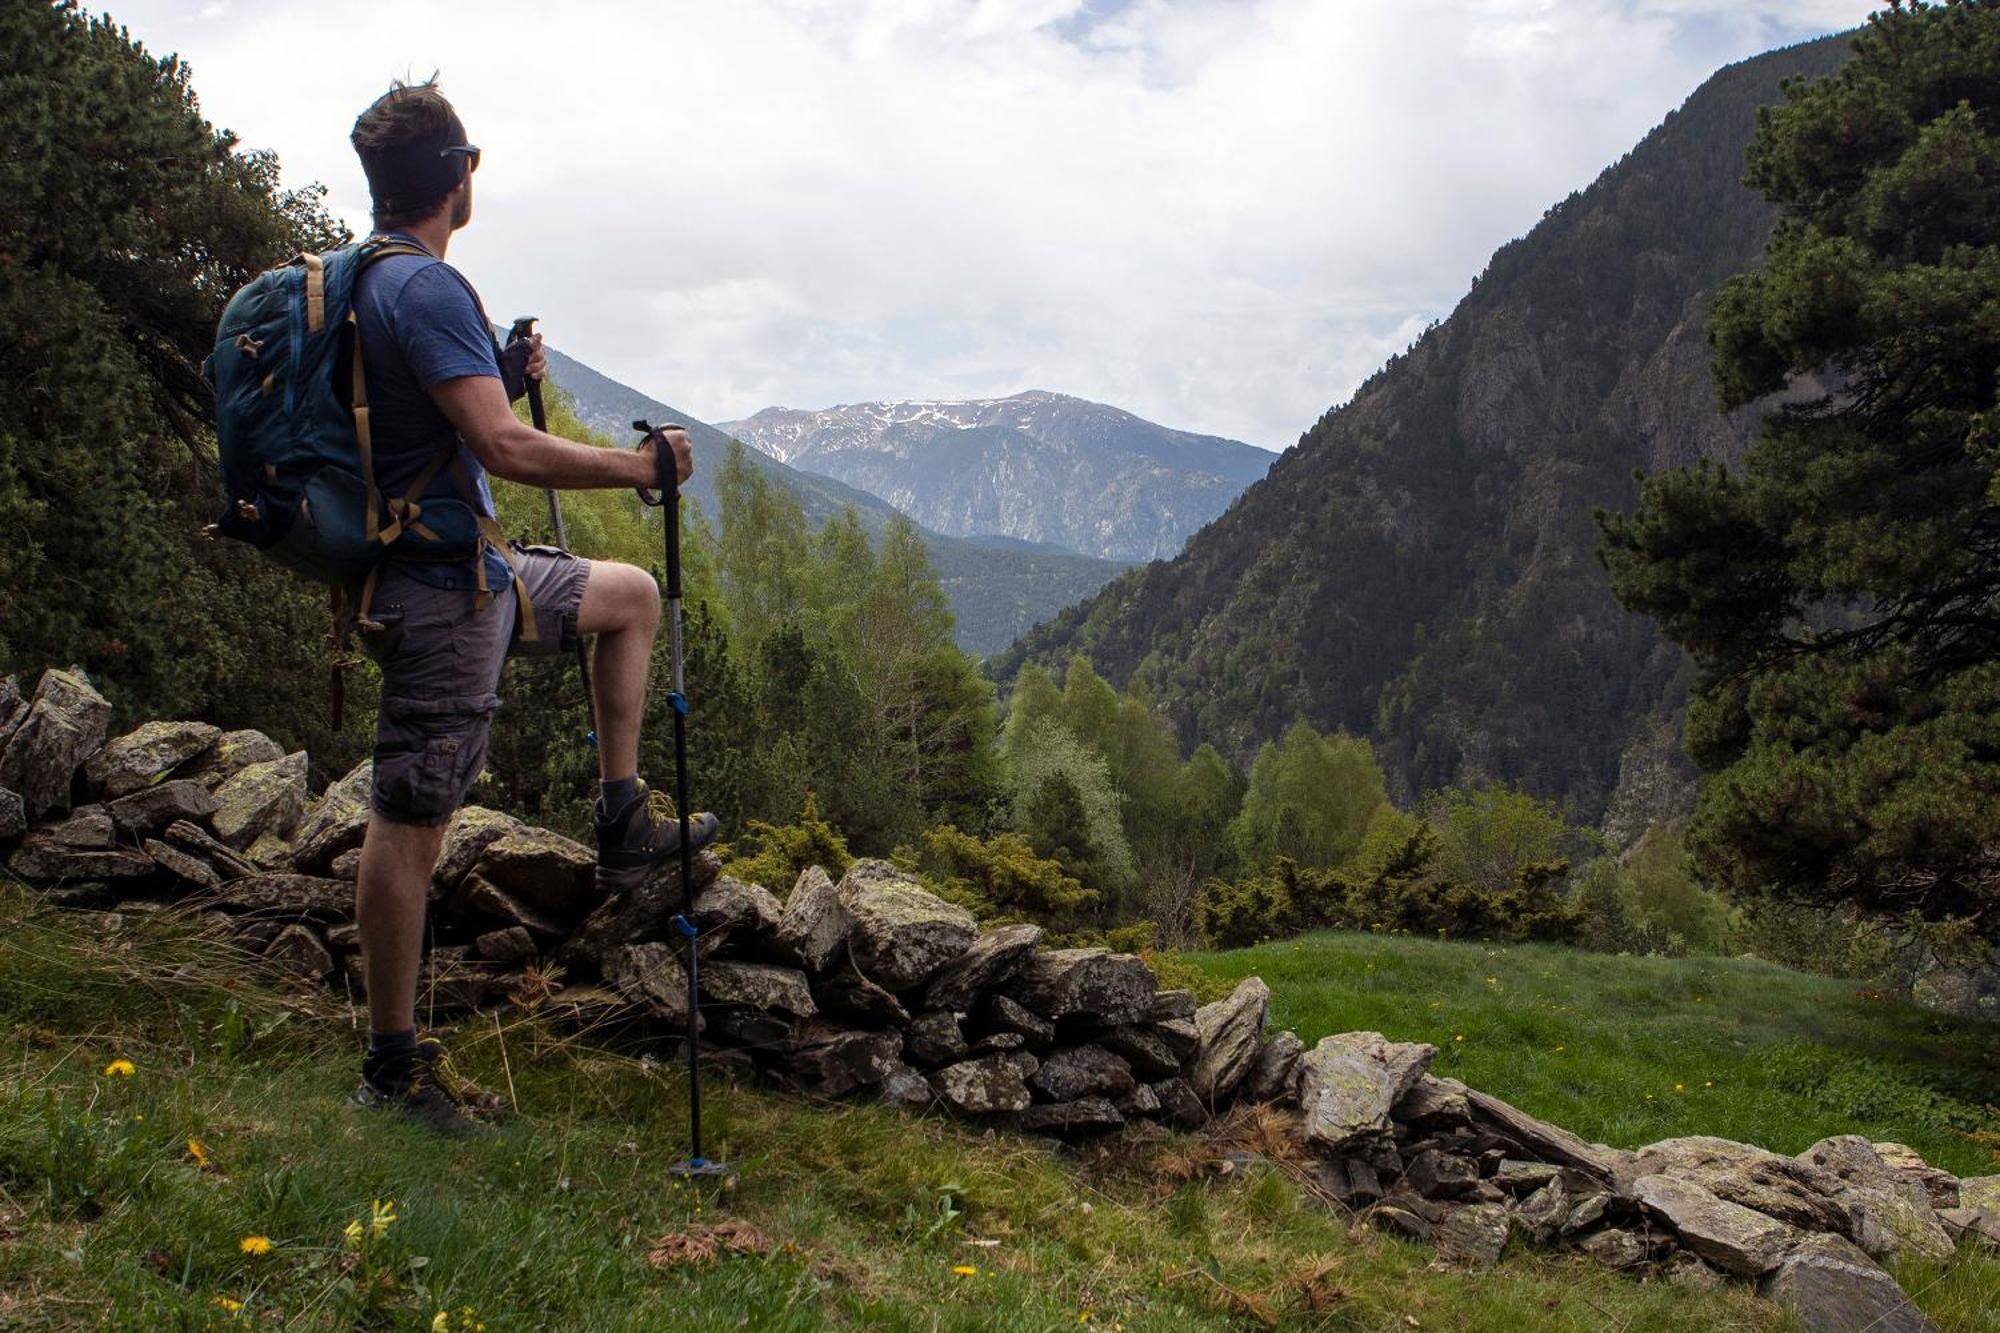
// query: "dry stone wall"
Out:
[872,987]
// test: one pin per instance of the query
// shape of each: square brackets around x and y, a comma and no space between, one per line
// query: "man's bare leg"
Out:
[621,606]
[390,892]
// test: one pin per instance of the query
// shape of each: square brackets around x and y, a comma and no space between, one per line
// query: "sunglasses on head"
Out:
[469,151]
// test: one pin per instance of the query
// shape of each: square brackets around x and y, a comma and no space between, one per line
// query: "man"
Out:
[441,630]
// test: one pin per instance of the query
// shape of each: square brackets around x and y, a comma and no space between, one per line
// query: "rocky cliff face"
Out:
[1420,569]
[1042,467]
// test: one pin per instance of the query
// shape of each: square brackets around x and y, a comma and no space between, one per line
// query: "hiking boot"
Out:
[639,837]
[422,1088]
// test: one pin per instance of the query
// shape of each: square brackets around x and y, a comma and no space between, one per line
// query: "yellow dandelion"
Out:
[227,1305]
[966,1270]
[1559,1049]
[1459,1037]
[119,1069]
[199,1154]
[255,1245]
[1680,1087]
[1707,1083]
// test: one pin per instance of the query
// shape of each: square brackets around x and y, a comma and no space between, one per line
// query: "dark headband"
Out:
[414,175]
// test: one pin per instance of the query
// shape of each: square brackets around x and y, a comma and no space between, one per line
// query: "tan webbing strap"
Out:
[492,534]
[315,291]
[407,508]
[364,440]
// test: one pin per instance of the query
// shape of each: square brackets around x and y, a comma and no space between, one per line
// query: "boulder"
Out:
[63,726]
[231,753]
[1472,1234]
[1348,1083]
[812,929]
[1727,1235]
[1892,1212]
[13,815]
[1088,1070]
[651,976]
[298,952]
[1231,1032]
[764,986]
[337,821]
[1434,1103]
[1781,1187]
[1179,1106]
[992,960]
[1095,984]
[905,1089]
[196,840]
[1168,1005]
[151,809]
[1270,1076]
[481,897]
[142,757]
[646,912]
[898,934]
[835,1061]
[472,830]
[1832,1287]
[1905,1161]
[1614,1247]
[88,828]
[847,993]
[731,905]
[550,873]
[267,797]
[934,1038]
[184,866]
[1440,1175]
[1142,1045]
[280,896]
[511,944]
[1541,1141]
[1000,1014]
[989,1085]
[41,856]
[1085,1115]
[1980,1192]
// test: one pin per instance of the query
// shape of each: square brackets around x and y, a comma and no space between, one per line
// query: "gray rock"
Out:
[1524,1178]
[1613,1247]
[1172,1004]
[1179,1106]
[337,821]
[64,726]
[1541,1215]
[1270,1077]
[270,852]
[847,993]
[472,830]
[1979,1192]
[1727,1235]
[836,1061]
[142,757]
[13,709]
[88,828]
[512,944]
[1438,1175]
[1781,1187]
[545,870]
[280,896]
[1349,1082]
[989,1085]
[1396,1219]
[150,810]
[40,856]
[1141,1044]
[760,986]
[1000,1014]
[1542,1141]
[651,976]
[1832,1287]
[1976,1226]
[1085,1115]
[812,929]
[347,865]
[13,815]
[906,1089]
[934,1039]
[268,797]
[1892,1212]
[898,934]
[296,950]
[183,866]
[1088,1070]
[1231,1032]
[731,905]
[1107,988]
[644,913]
[193,839]
[232,752]
[1434,1103]
[1141,1102]
[991,961]
[481,897]
[1472,1234]
[1940,1186]
[1686,1270]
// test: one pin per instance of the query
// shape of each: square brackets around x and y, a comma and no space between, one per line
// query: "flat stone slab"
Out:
[763,986]
[41,856]
[1727,1235]
[263,798]
[989,1085]
[1086,1115]
[1107,988]
[337,821]
[990,960]
[1544,1142]
[900,934]
[289,895]
[152,809]
[146,754]
[812,929]
[233,752]
[184,866]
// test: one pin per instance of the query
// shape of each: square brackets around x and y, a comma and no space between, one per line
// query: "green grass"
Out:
[105,1220]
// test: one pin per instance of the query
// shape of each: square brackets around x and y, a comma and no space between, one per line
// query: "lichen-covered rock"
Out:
[1523,1178]
[763,986]
[64,726]
[280,896]
[934,1038]
[347,865]
[1232,1033]
[151,809]
[550,873]
[1538,1139]
[1440,1175]
[1434,1103]
[1085,1115]
[1142,1044]
[812,929]
[1106,988]
[480,897]
[835,1061]
[1168,1005]
[990,961]
[1781,1187]
[297,951]
[1940,1186]
[1892,1212]
[145,755]
[905,1089]
[472,830]
[13,815]
[1141,1102]
[1832,1287]
[41,856]
[732,905]
[1979,1192]
[511,944]
[644,913]
[1088,1070]
[194,839]
[1613,1247]
[651,976]
[1179,1106]
[232,752]
[1349,1082]
[1000,1014]
[847,993]
[899,934]
[1472,1235]
[1270,1076]
[337,821]
[184,866]
[268,797]
[1727,1235]
[88,828]
[989,1085]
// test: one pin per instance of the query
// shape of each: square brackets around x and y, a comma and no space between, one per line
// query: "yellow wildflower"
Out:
[381,1217]
[352,1234]
[442,1324]
[199,1153]
[1680,1087]
[228,1306]
[1559,1049]
[1459,1037]
[966,1270]
[119,1069]
[1708,1083]
[254,1245]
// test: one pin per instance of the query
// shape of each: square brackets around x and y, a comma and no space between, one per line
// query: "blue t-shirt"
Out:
[421,324]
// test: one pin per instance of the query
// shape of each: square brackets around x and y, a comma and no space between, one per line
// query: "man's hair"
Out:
[407,111]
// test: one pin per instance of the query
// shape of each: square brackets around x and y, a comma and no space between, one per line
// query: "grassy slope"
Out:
[549,1222]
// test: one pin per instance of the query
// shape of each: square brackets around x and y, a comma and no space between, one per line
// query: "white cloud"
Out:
[1221,214]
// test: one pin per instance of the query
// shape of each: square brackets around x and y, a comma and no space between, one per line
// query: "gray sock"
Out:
[615,795]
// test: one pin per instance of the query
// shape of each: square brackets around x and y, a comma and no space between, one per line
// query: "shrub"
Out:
[774,855]
[1000,873]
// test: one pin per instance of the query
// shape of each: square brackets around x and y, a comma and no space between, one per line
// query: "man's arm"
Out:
[506,446]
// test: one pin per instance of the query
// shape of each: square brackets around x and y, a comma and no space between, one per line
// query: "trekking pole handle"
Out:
[667,467]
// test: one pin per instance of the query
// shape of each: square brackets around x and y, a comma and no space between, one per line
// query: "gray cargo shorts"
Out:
[441,661]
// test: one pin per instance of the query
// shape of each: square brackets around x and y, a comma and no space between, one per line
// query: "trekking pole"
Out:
[524,327]
[668,500]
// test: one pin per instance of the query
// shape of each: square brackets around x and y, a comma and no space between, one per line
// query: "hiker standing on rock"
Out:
[442,629]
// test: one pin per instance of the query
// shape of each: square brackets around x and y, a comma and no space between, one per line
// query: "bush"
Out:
[1001,874]
[775,855]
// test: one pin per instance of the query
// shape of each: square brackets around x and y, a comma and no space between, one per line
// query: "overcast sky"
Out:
[1220,214]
